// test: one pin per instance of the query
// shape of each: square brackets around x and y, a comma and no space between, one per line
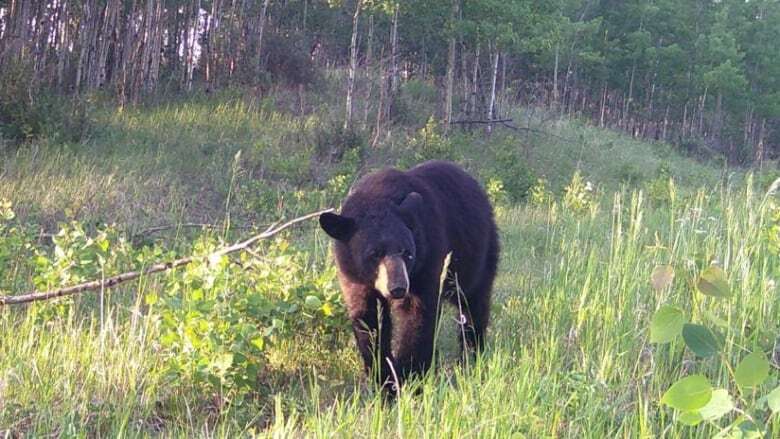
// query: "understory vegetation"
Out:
[608,249]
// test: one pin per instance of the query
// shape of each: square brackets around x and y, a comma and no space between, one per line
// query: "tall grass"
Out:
[568,350]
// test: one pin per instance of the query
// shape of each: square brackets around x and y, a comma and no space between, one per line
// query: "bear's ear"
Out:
[411,203]
[338,227]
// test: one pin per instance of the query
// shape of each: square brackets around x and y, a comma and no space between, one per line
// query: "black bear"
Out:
[391,240]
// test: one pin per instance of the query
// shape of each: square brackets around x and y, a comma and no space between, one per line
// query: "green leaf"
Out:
[715,320]
[712,282]
[690,418]
[222,362]
[720,405]
[151,298]
[688,394]
[662,277]
[773,399]
[700,340]
[667,324]
[752,370]
[313,302]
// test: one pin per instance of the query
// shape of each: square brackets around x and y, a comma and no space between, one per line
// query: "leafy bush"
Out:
[219,318]
[287,60]
[28,112]
[415,103]
[660,189]
[16,254]
[279,201]
[334,144]
[428,143]
[496,193]
[539,194]
[578,196]
[693,398]
[630,174]
[516,175]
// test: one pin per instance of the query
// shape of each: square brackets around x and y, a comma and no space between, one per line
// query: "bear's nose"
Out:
[397,293]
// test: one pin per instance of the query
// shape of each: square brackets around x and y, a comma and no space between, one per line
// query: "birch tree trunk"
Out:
[555,74]
[491,107]
[394,52]
[260,31]
[474,82]
[369,69]
[352,66]
[450,69]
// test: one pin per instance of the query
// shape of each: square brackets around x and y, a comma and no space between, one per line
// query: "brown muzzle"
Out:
[392,280]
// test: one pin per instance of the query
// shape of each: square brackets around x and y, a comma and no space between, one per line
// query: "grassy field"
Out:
[569,351]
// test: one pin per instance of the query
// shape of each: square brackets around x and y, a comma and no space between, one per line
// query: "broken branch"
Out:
[113,281]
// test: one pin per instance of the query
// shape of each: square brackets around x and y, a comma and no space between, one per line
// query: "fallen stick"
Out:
[483,122]
[113,281]
[156,229]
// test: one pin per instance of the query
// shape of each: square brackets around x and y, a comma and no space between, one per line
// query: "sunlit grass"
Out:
[568,352]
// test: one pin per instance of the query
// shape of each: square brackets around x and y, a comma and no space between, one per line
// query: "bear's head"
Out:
[378,243]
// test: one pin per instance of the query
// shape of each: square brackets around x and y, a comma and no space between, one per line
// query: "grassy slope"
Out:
[568,352]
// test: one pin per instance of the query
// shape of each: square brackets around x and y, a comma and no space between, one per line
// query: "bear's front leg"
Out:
[414,321]
[372,327]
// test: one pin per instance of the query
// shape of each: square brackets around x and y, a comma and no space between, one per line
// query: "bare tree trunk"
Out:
[191,53]
[501,93]
[369,70]
[701,112]
[394,52]
[380,111]
[464,68]
[260,30]
[450,68]
[491,107]
[603,104]
[63,43]
[352,66]
[627,108]
[760,145]
[555,74]
[474,82]
[666,124]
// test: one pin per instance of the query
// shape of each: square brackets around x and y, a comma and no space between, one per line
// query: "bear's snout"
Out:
[398,293]
[392,279]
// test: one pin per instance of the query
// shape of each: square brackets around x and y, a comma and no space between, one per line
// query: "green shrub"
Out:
[579,195]
[539,194]
[661,189]
[495,190]
[287,60]
[428,143]
[692,398]
[28,111]
[630,174]
[516,175]
[415,103]
[16,251]
[333,143]
[219,319]
[218,316]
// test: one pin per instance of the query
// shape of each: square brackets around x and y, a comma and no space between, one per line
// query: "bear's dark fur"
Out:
[391,239]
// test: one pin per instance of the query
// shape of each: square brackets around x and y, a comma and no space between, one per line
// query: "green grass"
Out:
[568,352]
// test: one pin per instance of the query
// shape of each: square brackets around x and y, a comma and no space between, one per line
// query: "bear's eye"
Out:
[408,255]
